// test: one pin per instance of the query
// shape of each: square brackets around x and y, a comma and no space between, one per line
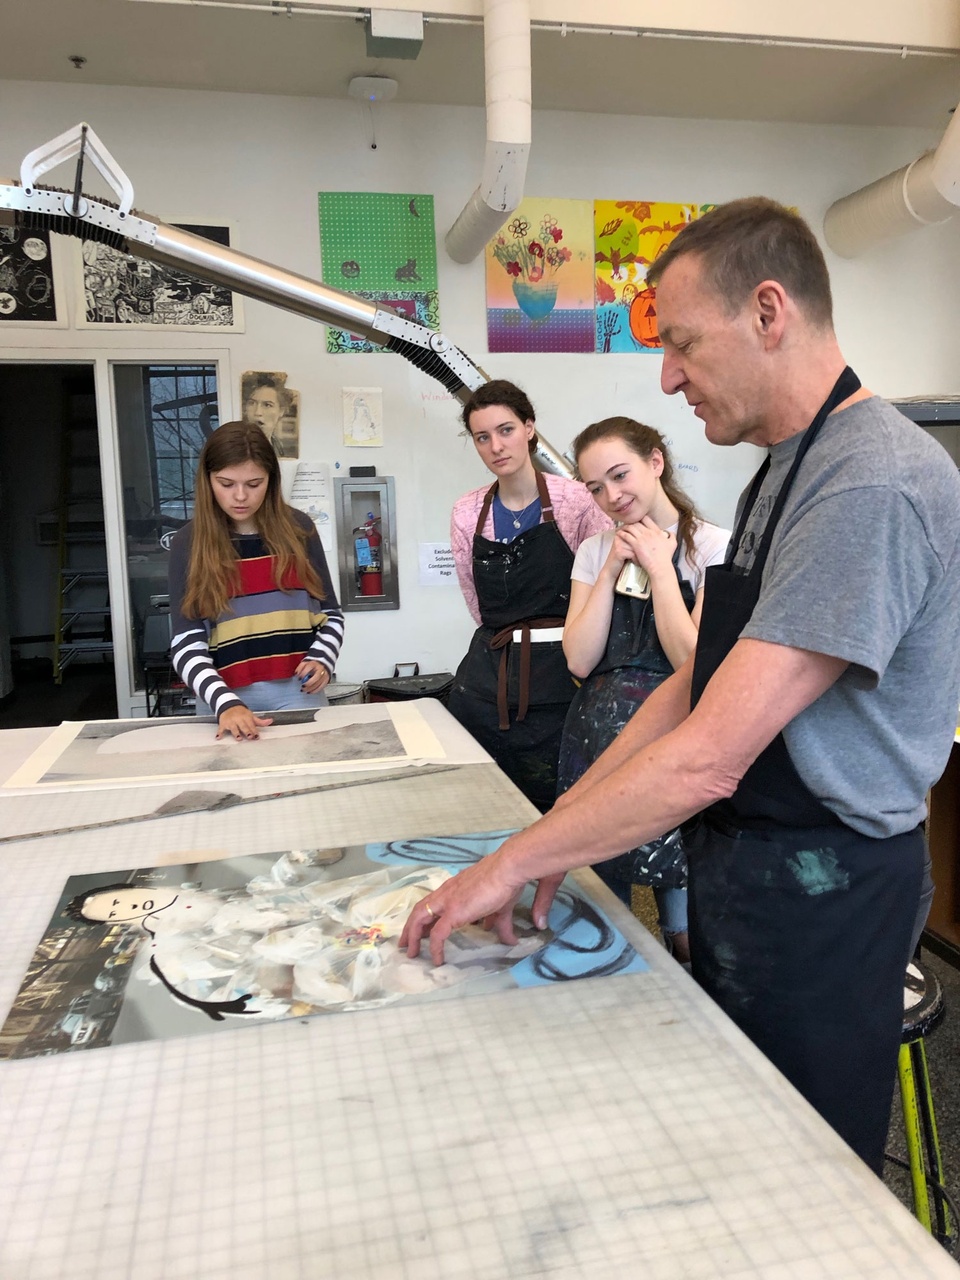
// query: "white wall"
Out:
[258,162]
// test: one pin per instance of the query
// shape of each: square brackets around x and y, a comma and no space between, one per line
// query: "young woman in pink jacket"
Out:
[513,544]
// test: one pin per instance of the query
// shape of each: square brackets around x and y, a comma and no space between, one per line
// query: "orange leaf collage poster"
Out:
[629,235]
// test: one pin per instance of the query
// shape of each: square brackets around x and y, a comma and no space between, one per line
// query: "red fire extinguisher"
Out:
[368,545]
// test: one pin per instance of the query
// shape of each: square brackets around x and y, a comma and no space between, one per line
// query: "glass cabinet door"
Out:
[165,412]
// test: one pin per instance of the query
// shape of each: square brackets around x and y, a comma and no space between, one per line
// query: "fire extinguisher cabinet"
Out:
[367,544]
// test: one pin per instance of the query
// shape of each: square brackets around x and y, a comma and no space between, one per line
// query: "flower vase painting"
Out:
[539,270]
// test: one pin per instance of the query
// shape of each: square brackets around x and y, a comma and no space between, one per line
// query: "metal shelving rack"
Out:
[83,622]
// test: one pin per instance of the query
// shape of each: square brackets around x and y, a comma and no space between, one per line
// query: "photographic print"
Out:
[200,947]
[272,405]
[121,290]
[27,289]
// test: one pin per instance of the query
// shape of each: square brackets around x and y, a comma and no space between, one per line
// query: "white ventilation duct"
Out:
[922,193]
[506,44]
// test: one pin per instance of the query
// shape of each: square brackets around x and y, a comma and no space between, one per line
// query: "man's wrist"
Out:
[518,864]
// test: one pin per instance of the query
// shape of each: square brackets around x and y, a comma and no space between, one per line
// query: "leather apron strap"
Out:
[502,640]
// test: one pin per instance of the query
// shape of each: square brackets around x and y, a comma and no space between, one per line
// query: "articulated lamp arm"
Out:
[31,206]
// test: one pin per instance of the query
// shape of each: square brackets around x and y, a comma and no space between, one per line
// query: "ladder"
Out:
[83,623]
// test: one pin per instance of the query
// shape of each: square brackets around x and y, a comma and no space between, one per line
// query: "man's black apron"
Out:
[512,697]
[800,926]
[632,666]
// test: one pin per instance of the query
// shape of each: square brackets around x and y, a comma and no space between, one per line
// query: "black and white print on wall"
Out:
[27,291]
[123,291]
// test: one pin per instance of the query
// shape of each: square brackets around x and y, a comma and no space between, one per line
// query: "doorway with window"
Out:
[56,643]
[83,557]
[165,412]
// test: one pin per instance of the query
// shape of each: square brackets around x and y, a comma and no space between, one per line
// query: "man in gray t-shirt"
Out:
[863,567]
[820,704]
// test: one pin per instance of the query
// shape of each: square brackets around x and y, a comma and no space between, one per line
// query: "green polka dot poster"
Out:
[381,247]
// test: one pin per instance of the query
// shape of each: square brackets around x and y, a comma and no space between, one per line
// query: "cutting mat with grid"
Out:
[604,1127]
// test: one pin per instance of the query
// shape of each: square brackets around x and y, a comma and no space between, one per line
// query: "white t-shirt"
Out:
[710,543]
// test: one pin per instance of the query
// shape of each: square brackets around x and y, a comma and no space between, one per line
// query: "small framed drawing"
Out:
[363,417]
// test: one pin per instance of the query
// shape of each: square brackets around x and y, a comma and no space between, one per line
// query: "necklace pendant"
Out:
[516,524]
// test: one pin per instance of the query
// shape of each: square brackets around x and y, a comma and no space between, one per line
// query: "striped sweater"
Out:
[263,634]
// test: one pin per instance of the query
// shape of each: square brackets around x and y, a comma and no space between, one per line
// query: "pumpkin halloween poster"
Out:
[539,269]
[629,235]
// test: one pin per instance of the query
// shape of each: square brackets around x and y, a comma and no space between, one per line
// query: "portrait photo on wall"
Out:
[121,290]
[27,291]
[272,405]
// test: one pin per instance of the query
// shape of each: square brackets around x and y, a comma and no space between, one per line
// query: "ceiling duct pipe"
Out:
[922,193]
[506,45]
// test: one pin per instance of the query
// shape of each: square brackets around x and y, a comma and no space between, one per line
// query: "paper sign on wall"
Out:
[437,568]
[311,493]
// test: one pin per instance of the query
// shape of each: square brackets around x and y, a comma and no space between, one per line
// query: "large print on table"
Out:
[198,947]
[330,739]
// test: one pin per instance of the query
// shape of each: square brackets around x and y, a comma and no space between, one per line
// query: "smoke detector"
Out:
[372,88]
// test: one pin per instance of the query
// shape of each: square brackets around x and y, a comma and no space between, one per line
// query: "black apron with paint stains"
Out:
[799,925]
[513,697]
[632,666]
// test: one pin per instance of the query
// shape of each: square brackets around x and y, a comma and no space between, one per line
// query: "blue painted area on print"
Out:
[452,852]
[585,943]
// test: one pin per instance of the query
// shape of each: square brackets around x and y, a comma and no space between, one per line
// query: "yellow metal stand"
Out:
[923,1011]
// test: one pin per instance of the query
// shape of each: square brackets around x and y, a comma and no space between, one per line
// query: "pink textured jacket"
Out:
[577,515]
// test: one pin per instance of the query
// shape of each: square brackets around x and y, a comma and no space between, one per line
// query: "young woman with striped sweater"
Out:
[254,617]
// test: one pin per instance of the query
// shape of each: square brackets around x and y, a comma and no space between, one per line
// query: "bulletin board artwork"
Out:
[629,235]
[199,946]
[122,291]
[382,248]
[539,273]
[27,289]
